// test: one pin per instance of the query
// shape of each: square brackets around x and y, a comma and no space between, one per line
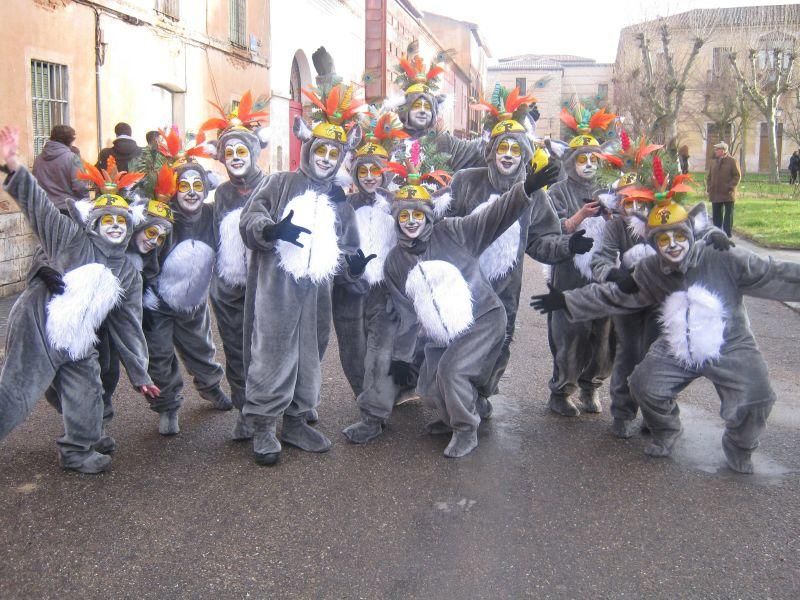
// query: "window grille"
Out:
[50,100]
[238,13]
[169,8]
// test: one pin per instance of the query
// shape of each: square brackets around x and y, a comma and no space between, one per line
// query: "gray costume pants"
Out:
[228,305]
[634,334]
[509,296]
[450,376]
[351,334]
[188,334]
[31,366]
[740,376]
[583,353]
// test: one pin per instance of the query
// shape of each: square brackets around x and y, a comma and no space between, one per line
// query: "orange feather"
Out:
[419,66]
[406,66]
[682,179]
[92,173]
[355,106]
[314,99]
[214,123]
[217,106]
[486,107]
[111,168]
[332,103]
[610,158]
[245,106]
[568,120]
[126,180]
[396,168]
[601,119]
[680,188]
[166,183]
[638,193]
[434,71]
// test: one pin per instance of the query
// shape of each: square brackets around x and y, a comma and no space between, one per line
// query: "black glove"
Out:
[401,372]
[357,262]
[616,275]
[337,194]
[720,241]
[53,280]
[533,112]
[628,285]
[578,244]
[285,230]
[536,180]
[550,302]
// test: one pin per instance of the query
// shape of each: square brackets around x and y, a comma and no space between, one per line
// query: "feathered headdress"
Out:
[110,180]
[245,115]
[166,184]
[414,76]
[506,110]
[630,158]
[335,107]
[586,123]
[171,145]
[411,187]
[381,131]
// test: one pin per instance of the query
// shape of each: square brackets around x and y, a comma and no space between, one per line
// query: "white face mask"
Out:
[113,228]
[673,245]
[191,199]
[411,222]
[150,238]
[420,115]
[586,165]
[237,158]
[508,156]
[324,159]
[369,176]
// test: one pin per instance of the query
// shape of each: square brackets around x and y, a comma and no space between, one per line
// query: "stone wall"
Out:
[17,245]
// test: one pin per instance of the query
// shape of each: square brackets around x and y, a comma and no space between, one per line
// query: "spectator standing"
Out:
[723,177]
[124,148]
[683,159]
[794,166]
[56,168]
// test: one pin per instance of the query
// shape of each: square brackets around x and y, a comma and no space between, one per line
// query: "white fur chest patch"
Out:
[377,235]
[635,253]
[186,275]
[442,299]
[499,258]
[73,318]
[233,256]
[595,228]
[694,325]
[319,256]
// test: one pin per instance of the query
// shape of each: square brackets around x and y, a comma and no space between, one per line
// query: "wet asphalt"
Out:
[546,507]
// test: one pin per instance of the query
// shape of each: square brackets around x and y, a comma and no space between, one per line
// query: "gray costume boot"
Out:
[106,444]
[589,401]
[368,428]
[562,405]
[218,399]
[737,458]
[461,444]
[312,416]
[266,447]
[624,428]
[93,464]
[168,423]
[484,408]
[438,427]
[297,432]
[662,445]
[243,430]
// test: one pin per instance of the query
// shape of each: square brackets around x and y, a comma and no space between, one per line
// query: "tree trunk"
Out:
[772,135]
[743,151]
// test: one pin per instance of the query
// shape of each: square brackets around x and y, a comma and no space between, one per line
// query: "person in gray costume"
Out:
[436,283]
[51,339]
[582,352]
[537,233]
[239,143]
[176,315]
[298,227]
[705,328]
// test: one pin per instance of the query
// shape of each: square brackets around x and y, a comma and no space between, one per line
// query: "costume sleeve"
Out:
[257,214]
[80,188]
[608,255]
[349,243]
[545,241]
[125,329]
[463,153]
[477,231]
[559,204]
[405,341]
[54,230]
[765,277]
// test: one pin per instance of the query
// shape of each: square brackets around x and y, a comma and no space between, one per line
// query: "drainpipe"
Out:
[99,51]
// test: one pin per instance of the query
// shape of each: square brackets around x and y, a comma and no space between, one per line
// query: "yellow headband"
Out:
[507,126]
[329,131]
[110,201]
[668,213]
[158,209]
[583,140]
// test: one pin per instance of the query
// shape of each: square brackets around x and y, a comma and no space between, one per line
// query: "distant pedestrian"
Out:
[794,166]
[56,168]
[683,159]
[123,148]
[723,177]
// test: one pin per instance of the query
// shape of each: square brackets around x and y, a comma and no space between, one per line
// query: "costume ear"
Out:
[608,199]
[263,134]
[441,100]
[556,148]
[699,218]
[301,131]
[354,136]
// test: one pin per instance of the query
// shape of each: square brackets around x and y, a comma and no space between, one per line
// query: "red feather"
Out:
[615,161]
[568,120]
[217,106]
[638,193]
[406,66]
[126,180]
[245,106]
[625,140]
[332,103]
[601,119]
[356,105]
[92,173]
[314,99]
[434,71]
[214,123]
[440,176]
[166,183]
[680,188]
[682,179]
[396,168]
[486,107]
[111,169]
[658,172]
[644,149]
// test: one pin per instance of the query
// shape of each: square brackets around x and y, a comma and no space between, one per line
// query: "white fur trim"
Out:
[442,299]
[84,207]
[694,325]
[637,226]
[499,258]
[635,253]
[343,178]
[186,275]
[150,299]
[610,200]
[91,292]
[319,256]
[137,214]
[441,204]
[377,235]
[547,272]
[263,134]
[595,228]
[394,102]
[233,256]
[700,221]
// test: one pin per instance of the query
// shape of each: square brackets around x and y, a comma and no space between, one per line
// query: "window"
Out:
[602,91]
[49,96]
[238,12]
[522,85]
[169,8]
[719,60]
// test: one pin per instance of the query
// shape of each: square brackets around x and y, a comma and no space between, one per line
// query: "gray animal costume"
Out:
[52,339]
[435,280]
[288,305]
[705,330]
[176,315]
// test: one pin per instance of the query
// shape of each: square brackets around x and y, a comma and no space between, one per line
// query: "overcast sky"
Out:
[582,27]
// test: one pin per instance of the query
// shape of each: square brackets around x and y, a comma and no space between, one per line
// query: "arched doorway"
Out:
[295,110]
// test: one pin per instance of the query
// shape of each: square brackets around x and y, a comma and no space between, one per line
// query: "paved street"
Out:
[547,507]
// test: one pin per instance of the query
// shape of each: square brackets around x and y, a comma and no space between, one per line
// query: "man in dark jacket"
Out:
[723,177]
[56,168]
[794,166]
[123,148]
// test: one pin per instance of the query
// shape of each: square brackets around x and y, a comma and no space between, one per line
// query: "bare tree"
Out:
[791,117]
[766,72]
